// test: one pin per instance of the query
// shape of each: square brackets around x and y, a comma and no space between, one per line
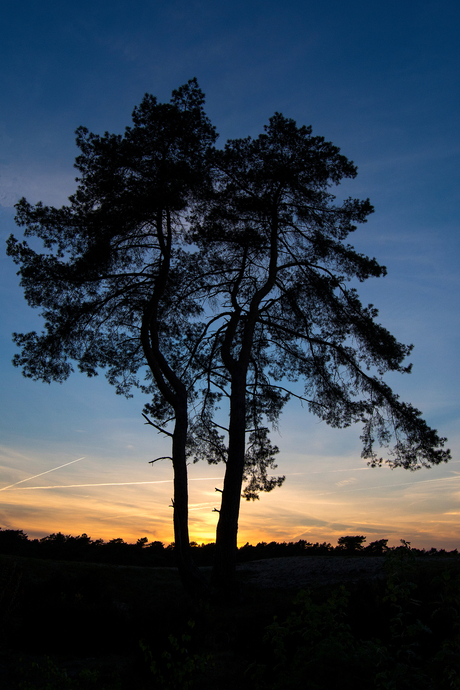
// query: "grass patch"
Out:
[81,625]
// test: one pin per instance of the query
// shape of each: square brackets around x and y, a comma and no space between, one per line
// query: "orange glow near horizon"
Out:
[263,521]
[318,503]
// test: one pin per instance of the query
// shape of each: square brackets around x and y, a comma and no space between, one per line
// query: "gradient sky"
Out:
[380,80]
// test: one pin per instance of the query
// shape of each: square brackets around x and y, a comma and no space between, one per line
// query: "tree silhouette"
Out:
[352,543]
[278,269]
[109,281]
[201,275]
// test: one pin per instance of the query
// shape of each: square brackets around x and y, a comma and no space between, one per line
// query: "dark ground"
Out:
[381,621]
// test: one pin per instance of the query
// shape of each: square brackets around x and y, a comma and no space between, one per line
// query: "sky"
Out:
[378,79]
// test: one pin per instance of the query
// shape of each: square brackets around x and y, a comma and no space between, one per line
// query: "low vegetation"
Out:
[68,621]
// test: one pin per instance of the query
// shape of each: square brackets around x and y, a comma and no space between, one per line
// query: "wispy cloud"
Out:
[395,486]
[351,480]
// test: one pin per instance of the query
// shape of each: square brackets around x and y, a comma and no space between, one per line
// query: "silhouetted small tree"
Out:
[351,543]
[377,547]
[12,540]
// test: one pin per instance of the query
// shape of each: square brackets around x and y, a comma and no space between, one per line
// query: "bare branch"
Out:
[163,457]
[163,431]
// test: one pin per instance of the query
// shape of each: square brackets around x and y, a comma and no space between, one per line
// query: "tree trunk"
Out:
[223,576]
[193,581]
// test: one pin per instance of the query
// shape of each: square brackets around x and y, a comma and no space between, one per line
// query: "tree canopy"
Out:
[203,275]
[278,269]
[109,281]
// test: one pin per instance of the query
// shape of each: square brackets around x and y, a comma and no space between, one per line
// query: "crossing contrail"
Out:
[42,473]
[78,486]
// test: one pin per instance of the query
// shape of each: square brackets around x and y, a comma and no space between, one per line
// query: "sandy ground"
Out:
[299,571]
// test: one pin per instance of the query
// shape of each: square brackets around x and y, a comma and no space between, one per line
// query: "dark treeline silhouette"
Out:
[59,546]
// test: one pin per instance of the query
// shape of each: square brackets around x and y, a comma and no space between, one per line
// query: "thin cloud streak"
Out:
[77,486]
[40,475]
[346,469]
[394,486]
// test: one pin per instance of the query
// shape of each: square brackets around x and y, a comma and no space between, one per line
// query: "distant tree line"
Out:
[60,546]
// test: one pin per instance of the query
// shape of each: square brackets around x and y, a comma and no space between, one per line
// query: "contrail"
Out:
[42,473]
[78,486]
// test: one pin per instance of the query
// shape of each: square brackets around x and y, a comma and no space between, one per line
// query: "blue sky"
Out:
[380,80]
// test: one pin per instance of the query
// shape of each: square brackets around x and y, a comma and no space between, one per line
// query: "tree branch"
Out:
[163,431]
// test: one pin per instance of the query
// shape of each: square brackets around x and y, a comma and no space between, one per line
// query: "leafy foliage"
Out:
[112,250]
[177,666]
[208,277]
[46,675]
[278,270]
[319,644]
